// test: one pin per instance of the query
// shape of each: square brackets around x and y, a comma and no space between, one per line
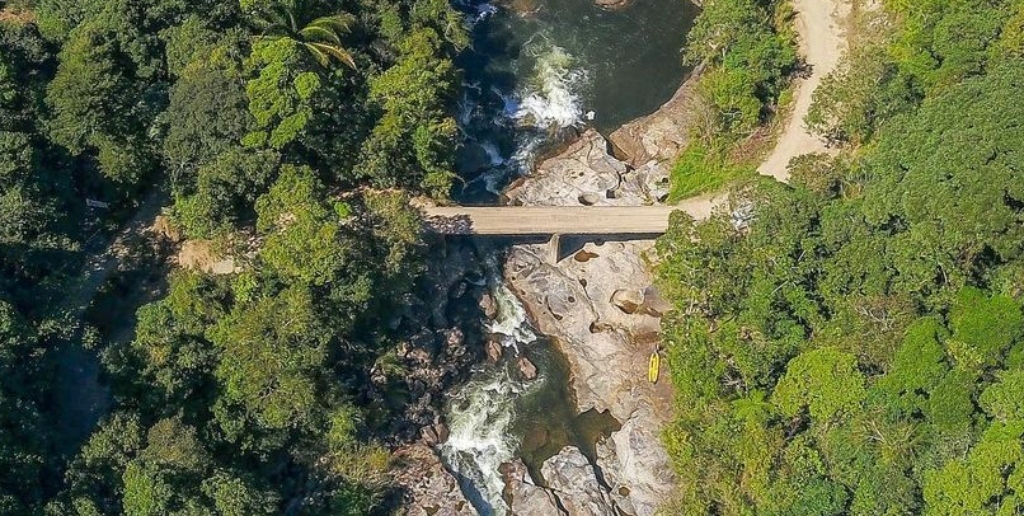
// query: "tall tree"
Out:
[320,36]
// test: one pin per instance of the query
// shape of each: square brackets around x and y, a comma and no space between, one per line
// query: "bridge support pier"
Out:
[554,249]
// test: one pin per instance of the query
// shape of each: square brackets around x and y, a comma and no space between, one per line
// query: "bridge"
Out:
[610,221]
[548,220]
[606,222]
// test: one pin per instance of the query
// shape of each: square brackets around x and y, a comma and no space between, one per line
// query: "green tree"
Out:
[748,57]
[283,96]
[225,192]
[208,112]
[94,102]
[23,441]
[411,145]
[273,353]
[988,480]
[305,241]
[825,381]
[321,36]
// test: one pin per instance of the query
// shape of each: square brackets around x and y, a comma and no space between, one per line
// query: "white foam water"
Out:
[480,13]
[551,99]
[480,415]
[512,324]
[481,412]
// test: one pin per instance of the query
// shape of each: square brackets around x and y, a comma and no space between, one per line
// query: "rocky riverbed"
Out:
[598,303]
[543,406]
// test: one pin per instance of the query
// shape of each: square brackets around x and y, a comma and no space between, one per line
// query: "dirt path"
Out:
[101,264]
[822,42]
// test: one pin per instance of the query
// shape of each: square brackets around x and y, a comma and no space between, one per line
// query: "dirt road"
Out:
[822,43]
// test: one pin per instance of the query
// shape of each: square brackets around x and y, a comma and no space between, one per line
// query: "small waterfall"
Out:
[481,412]
[512,324]
[479,418]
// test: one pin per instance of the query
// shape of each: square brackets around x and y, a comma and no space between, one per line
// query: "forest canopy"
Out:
[853,343]
[291,132]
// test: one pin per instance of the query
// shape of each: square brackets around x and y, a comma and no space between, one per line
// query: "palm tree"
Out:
[321,37]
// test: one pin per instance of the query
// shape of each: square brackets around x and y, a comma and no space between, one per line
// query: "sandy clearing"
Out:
[822,43]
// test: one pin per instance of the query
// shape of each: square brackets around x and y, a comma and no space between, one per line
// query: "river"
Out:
[539,72]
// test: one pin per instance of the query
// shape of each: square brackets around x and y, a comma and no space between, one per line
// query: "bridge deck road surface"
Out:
[566,220]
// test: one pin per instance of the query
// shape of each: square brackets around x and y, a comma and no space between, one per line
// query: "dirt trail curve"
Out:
[99,265]
[822,43]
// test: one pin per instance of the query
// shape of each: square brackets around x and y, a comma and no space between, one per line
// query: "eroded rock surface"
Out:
[572,479]
[524,497]
[587,174]
[572,489]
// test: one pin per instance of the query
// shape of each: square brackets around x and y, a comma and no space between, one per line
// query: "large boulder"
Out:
[524,497]
[429,489]
[662,135]
[574,481]
[628,460]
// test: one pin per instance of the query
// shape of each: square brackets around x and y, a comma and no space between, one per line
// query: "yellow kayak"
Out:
[655,368]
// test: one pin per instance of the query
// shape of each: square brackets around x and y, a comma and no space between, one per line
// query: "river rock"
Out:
[493,348]
[653,177]
[613,4]
[522,7]
[627,460]
[523,496]
[662,135]
[488,305]
[428,488]
[526,367]
[434,434]
[573,479]
[429,437]
[573,488]
[455,337]
[433,357]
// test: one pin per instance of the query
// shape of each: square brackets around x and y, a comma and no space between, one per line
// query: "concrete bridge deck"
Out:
[549,220]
